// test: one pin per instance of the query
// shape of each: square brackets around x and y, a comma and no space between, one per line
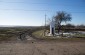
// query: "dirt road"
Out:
[42,48]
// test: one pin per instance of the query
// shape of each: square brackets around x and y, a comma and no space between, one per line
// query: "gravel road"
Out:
[31,47]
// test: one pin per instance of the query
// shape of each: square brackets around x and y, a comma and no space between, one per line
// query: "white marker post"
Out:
[52,28]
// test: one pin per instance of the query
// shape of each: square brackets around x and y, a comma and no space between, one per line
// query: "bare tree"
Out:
[61,17]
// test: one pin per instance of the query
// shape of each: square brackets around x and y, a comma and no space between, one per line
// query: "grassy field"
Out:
[10,33]
[40,34]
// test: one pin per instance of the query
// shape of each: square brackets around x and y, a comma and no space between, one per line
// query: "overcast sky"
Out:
[32,12]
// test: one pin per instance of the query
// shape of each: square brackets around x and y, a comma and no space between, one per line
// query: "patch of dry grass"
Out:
[40,34]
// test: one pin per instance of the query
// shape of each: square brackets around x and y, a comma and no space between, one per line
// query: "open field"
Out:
[43,48]
[11,33]
[74,34]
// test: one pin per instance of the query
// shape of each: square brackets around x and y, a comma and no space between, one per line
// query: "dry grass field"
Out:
[43,48]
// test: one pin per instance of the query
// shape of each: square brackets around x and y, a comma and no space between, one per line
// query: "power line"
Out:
[51,4]
[36,10]
[22,10]
[22,2]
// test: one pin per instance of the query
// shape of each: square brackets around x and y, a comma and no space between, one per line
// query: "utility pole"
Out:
[45,25]
[45,20]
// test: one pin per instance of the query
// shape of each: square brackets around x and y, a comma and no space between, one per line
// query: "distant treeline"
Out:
[69,27]
[73,29]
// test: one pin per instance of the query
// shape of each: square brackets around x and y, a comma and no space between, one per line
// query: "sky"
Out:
[32,12]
